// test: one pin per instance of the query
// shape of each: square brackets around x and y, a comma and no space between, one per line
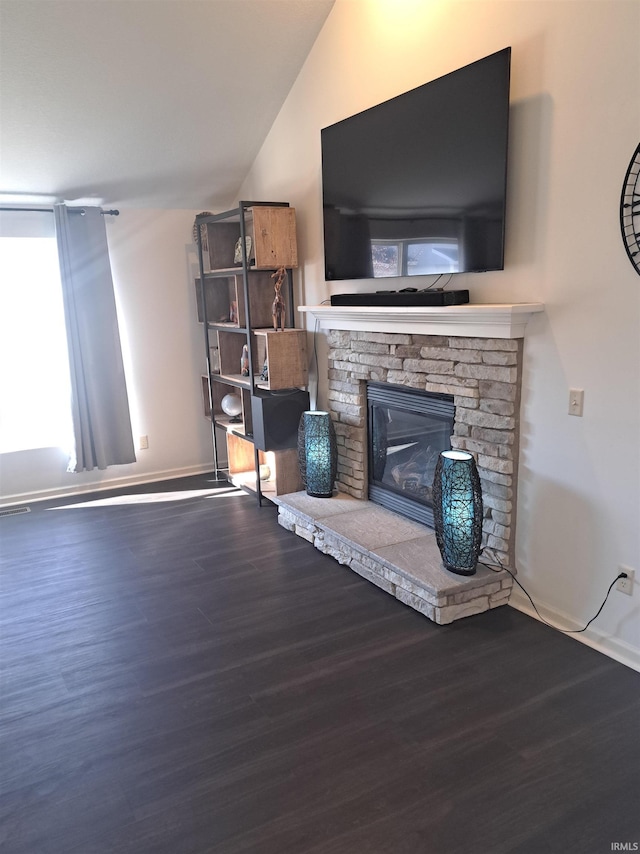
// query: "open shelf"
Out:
[236,380]
[247,480]
[228,327]
[284,472]
[230,426]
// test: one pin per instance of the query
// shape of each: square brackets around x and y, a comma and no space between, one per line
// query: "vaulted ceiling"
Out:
[144,103]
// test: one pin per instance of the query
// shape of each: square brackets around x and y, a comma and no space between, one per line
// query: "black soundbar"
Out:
[403,298]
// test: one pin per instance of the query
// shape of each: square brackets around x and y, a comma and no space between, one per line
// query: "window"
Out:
[414,257]
[35,393]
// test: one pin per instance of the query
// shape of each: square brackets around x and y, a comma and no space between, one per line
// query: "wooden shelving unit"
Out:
[239,252]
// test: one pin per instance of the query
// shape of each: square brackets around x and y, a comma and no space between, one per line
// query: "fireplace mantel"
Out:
[489,320]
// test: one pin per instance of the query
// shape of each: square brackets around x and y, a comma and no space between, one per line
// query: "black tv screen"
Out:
[417,185]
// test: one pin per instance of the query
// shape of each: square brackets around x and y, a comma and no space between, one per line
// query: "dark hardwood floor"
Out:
[185,677]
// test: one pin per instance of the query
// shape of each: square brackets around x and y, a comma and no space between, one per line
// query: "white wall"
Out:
[575,124]
[154,263]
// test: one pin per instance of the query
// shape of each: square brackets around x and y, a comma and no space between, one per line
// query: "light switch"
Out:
[576,401]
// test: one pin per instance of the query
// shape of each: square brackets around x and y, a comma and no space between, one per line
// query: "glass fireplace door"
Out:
[407,429]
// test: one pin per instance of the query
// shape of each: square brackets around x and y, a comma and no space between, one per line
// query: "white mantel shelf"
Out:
[490,320]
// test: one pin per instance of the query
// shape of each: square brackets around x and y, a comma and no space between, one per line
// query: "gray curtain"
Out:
[100,406]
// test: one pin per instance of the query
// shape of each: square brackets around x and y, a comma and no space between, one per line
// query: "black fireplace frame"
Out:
[416,401]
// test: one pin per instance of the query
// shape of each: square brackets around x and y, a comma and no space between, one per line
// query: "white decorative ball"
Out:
[231,405]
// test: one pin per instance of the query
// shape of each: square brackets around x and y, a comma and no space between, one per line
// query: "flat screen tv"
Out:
[416,185]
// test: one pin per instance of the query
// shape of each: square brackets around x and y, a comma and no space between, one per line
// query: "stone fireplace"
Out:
[483,375]
[471,355]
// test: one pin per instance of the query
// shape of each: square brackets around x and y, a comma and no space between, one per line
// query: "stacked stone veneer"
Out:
[484,377]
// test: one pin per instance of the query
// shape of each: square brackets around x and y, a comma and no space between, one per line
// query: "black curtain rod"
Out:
[81,211]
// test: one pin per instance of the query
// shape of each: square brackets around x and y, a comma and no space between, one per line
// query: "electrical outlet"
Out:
[625,585]
[143,443]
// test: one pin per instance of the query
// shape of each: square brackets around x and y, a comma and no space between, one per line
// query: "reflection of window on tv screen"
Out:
[417,185]
[413,257]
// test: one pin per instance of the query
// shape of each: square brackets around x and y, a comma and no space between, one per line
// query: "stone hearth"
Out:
[395,554]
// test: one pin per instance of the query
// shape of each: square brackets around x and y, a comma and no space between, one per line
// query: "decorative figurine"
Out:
[244,361]
[278,303]
[203,232]
[237,255]
[233,312]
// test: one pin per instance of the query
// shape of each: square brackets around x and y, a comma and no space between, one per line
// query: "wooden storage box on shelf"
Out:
[287,470]
[285,352]
[284,472]
[261,295]
[221,239]
[273,239]
[219,295]
[224,292]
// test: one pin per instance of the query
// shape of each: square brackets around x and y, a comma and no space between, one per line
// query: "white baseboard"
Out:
[610,646]
[102,486]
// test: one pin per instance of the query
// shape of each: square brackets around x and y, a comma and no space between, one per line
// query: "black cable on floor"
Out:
[501,568]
